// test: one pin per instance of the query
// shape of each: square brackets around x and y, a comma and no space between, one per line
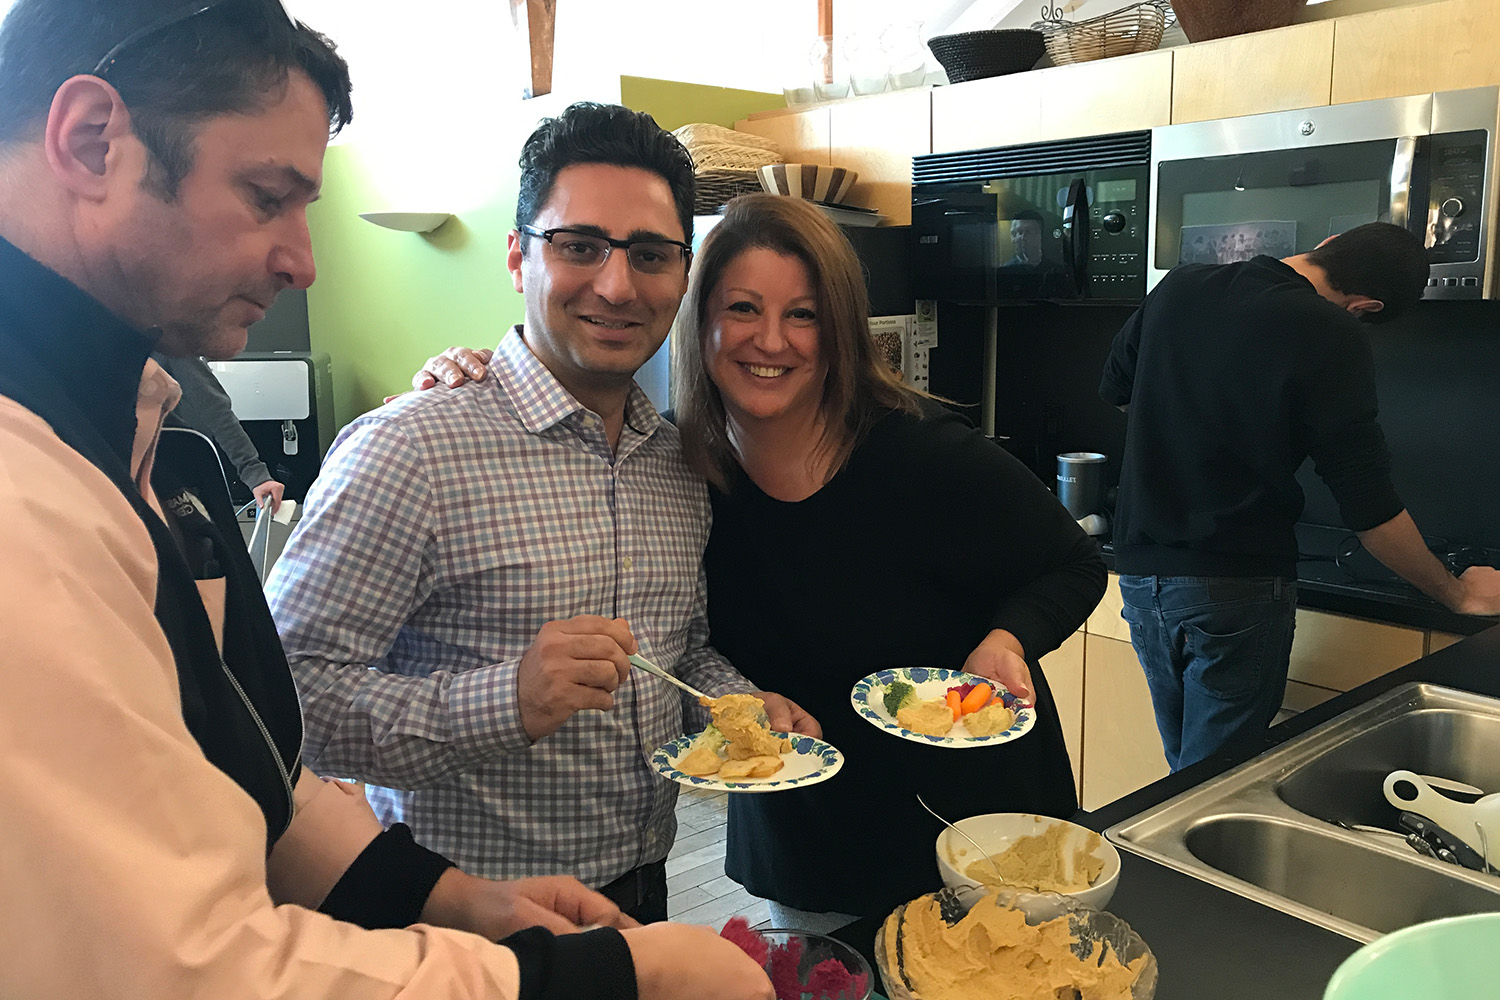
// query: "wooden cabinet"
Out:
[801,135]
[1339,653]
[1251,74]
[1415,50]
[1106,618]
[1121,94]
[1000,111]
[878,136]
[1063,668]
[1121,747]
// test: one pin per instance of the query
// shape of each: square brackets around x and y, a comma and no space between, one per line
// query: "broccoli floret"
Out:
[897,695]
[711,738]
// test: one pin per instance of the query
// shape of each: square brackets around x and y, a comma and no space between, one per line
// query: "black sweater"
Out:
[930,537]
[1234,375]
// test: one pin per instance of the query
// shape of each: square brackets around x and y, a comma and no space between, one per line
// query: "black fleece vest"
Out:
[242,707]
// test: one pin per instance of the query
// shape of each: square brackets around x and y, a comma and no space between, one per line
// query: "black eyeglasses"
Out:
[650,255]
[186,13]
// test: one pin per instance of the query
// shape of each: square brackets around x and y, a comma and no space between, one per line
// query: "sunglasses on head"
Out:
[185,13]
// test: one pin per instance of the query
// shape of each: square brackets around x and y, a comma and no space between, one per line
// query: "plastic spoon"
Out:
[640,661]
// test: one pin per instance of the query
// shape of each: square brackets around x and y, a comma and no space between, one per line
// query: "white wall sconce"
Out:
[407,222]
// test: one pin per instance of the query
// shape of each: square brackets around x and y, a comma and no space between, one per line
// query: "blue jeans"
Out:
[1215,651]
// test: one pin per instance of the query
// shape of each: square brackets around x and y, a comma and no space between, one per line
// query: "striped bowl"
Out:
[816,182]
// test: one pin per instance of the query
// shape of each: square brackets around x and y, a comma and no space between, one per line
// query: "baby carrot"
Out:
[955,705]
[976,699]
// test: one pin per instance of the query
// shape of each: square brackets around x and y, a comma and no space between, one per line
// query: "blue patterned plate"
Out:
[868,699]
[809,762]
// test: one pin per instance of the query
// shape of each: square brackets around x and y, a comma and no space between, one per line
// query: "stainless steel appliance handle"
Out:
[1401,169]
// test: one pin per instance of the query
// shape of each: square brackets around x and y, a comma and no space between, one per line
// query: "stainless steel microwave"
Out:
[1281,183]
[1063,220]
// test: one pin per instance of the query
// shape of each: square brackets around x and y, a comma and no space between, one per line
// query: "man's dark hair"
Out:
[1030,215]
[232,59]
[603,133]
[1379,260]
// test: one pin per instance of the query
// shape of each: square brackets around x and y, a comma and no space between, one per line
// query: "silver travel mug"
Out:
[1080,482]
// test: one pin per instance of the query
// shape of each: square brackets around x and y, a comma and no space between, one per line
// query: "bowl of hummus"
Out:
[1027,852]
[976,944]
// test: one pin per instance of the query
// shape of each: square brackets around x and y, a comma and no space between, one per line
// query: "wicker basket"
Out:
[974,55]
[1123,32]
[724,162]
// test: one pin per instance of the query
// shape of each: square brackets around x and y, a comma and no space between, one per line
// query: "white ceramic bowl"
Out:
[813,181]
[996,831]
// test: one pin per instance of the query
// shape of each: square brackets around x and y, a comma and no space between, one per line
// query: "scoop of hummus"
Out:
[993,954]
[934,718]
[1042,861]
[989,720]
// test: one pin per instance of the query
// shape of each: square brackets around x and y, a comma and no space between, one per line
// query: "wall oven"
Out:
[1281,183]
[1063,220]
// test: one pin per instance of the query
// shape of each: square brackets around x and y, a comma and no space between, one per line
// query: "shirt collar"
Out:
[98,357]
[541,401]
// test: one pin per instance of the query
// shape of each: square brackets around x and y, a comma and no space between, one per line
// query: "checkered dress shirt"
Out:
[444,530]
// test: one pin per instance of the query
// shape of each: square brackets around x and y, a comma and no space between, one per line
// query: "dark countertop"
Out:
[1353,583]
[1212,943]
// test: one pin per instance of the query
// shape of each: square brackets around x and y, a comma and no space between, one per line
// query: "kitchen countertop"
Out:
[1212,943]
[1357,585]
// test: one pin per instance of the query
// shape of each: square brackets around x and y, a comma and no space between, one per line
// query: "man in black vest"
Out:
[156,162]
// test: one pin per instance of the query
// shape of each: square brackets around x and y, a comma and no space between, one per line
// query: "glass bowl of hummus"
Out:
[977,944]
[1028,852]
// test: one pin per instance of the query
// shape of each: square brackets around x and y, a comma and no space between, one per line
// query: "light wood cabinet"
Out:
[1441,640]
[1000,111]
[1063,668]
[1121,94]
[1106,618]
[1415,50]
[877,136]
[1121,746]
[1252,74]
[1338,653]
[801,135]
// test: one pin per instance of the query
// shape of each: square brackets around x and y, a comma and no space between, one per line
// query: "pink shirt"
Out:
[129,865]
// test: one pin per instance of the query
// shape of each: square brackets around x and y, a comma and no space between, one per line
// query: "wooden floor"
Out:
[698,891]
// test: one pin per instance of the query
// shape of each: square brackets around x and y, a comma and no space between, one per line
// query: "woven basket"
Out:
[715,187]
[724,162]
[974,55]
[1123,32]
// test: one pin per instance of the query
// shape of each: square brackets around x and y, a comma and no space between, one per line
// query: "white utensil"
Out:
[1449,785]
[985,854]
[1475,823]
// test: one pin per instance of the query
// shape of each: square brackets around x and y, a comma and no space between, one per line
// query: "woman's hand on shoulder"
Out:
[453,368]
[1000,657]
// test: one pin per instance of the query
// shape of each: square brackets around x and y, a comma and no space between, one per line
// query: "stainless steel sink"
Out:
[1268,829]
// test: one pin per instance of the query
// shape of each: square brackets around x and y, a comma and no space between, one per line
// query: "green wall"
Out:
[385,301]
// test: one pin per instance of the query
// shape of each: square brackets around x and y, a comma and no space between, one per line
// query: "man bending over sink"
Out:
[1233,375]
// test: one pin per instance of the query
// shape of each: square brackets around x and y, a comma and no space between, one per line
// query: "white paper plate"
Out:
[807,763]
[868,699]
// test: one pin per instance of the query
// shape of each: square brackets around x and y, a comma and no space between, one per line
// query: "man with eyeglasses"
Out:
[156,163]
[472,569]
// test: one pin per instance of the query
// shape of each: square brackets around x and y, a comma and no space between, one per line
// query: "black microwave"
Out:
[1064,221]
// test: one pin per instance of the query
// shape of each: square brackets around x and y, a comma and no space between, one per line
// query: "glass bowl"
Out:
[797,954]
[1090,927]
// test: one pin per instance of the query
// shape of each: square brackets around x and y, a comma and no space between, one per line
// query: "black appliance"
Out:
[1064,220]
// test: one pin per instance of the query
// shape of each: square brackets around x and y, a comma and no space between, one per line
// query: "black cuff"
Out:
[388,884]
[595,964]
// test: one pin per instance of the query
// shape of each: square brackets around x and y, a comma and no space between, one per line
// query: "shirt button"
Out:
[589,422]
[627,562]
